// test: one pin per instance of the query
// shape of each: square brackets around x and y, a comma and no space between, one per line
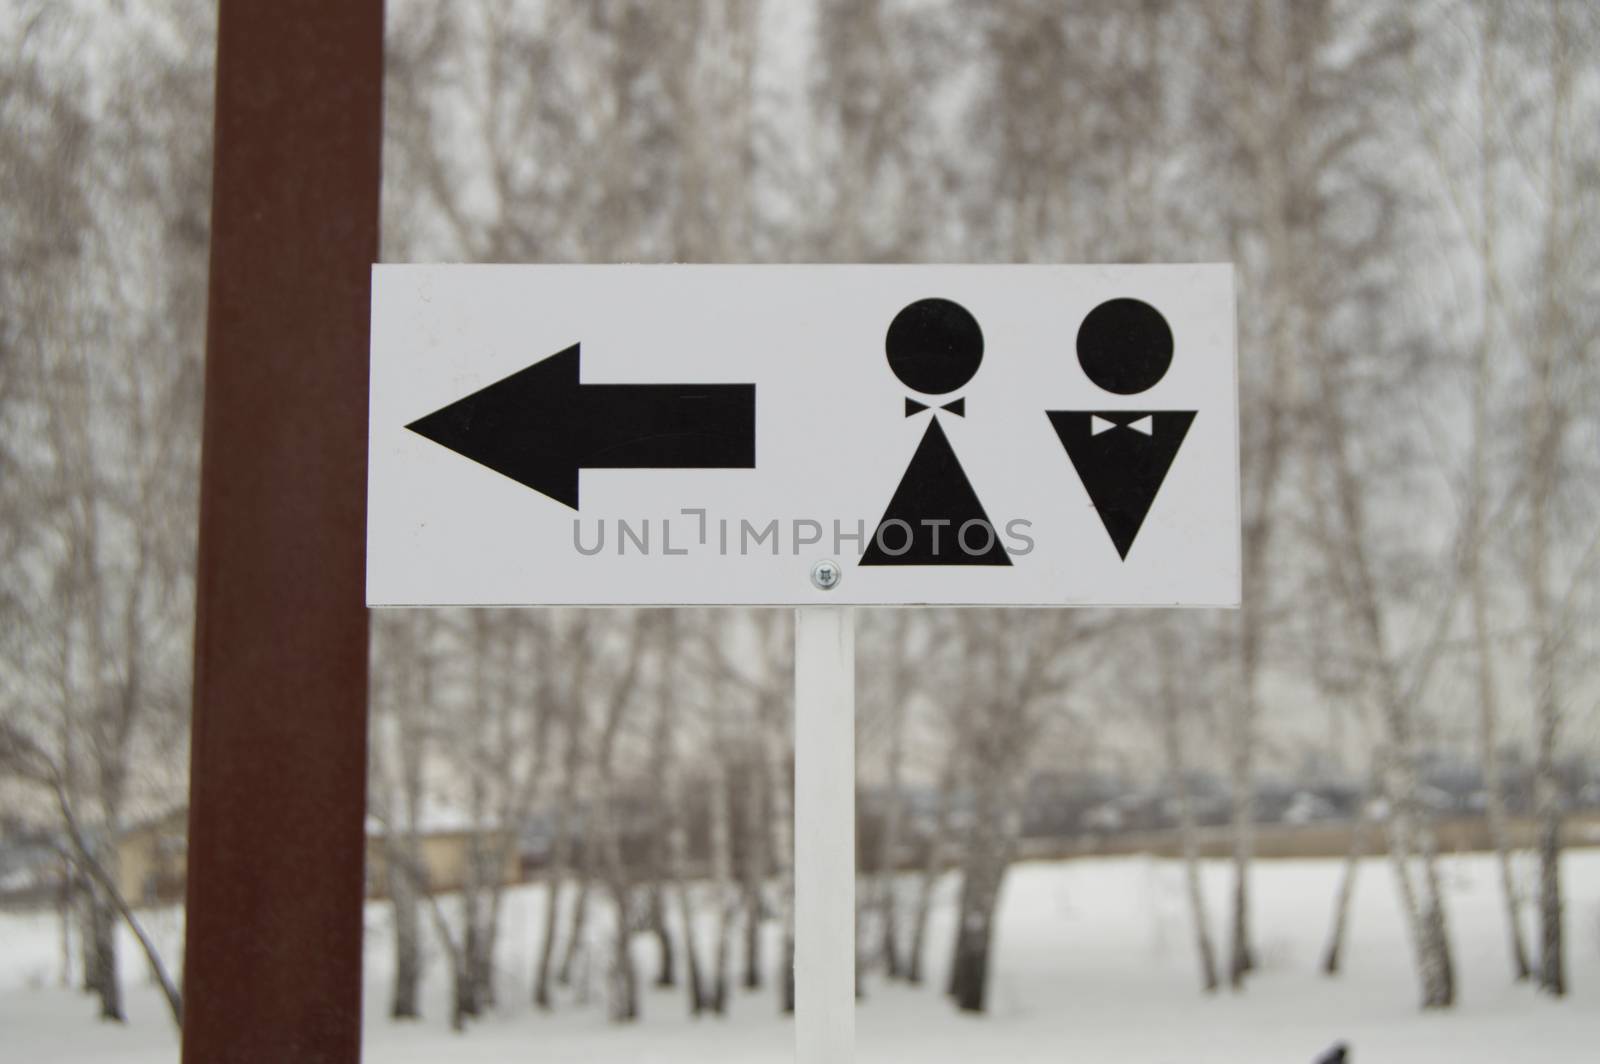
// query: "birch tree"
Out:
[1513,186]
[1560,334]
[402,687]
[100,353]
[1015,676]
[1286,109]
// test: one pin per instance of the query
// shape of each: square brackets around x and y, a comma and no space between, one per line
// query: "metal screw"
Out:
[826,575]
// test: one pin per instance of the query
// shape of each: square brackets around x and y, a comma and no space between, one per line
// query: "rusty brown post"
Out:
[278,771]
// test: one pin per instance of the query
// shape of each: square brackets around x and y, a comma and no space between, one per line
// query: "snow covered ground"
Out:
[1094,963]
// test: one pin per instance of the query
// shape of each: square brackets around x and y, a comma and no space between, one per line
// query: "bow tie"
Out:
[1143,425]
[958,407]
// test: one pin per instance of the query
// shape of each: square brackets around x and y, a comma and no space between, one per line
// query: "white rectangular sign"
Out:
[608,435]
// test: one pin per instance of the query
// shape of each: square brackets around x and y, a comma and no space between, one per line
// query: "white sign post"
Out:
[824,833]
[814,436]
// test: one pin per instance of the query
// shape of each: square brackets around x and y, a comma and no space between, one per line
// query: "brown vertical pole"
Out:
[278,770]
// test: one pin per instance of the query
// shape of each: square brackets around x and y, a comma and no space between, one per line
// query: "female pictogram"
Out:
[1122,456]
[934,347]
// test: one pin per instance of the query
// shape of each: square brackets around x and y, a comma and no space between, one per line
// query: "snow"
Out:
[1094,962]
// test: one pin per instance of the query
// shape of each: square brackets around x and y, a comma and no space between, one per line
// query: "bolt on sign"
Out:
[804,435]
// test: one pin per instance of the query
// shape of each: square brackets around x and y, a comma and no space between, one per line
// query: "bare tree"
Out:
[668,779]
[1529,231]
[575,650]
[899,689]
[1015,666]
[1286,112]
[725,894]
[615,701]
[20,756]
[1411,838]
[100,416]
[1563,274]
[402,696]
[934,857]
[1333,953]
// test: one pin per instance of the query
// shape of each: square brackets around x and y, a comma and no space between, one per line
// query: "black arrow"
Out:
[539,426]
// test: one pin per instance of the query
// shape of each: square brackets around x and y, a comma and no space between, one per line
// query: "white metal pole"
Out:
[825,834]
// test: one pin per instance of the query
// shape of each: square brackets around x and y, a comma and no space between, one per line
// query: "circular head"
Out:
[1125,346]
[934,346]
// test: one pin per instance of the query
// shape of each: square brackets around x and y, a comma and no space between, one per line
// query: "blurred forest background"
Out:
[1410,193]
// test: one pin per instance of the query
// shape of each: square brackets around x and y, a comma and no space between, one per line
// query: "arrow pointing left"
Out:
[541,426]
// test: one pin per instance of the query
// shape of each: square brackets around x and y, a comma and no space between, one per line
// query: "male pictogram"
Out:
[934,347]
[1122,456]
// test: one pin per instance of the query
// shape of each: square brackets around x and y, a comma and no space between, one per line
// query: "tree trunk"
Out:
[1241,743]
[717,995]
[491,854]
[547,945]
[972,964]
[103,956]
[623,1003]
[691,955]
[932,868]
[677,880]
[667,966]
[1276,194]
[928,881]
[1483,386]
[756,868]
[580,916]
[975,943]
[83,912]
[407,958]
[969,966]
[1422,903]
[1333,955]
[483,973]
[107,905]
[1546,420]
[888,923]
[963,904]
[752,935]
[454,951]
[1494,808]
[468,1004]
[577,852]
[623,978]
[786,995]
[990,845]
[1197,906]
[781,779]
[664,781]
[462,1007]
[64,908]
[403,649]
[561,850]
[1410,840]
[1546,785]
[483,931]
[722,888]
[1552,968]
[1438,928]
